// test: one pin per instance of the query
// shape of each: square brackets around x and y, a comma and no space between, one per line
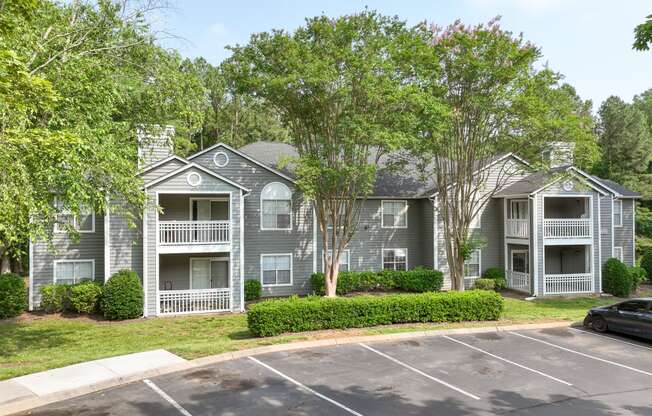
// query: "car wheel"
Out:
[599,324]
[588,321]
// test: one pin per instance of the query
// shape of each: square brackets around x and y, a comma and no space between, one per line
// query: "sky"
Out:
[588,41]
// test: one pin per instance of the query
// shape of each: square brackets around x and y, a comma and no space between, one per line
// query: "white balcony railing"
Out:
[518,281]
[518,228]
[567,228]
[561,284]
[194,232]
[179,302]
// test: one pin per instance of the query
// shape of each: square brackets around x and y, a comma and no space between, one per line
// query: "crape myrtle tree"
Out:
[341,88]
[484,84]
[76,79]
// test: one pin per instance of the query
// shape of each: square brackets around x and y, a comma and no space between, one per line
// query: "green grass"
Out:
[45,342]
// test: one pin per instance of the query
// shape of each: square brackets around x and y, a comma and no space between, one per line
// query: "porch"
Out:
[567,217]
[517,272]
[567,270]
[190,283]
[194,223]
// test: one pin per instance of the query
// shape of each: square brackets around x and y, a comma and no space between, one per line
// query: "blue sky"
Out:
[589,41]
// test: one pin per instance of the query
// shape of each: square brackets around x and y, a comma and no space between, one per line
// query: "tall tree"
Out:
[485,85]
[625,139]
[643,35]
[339,88]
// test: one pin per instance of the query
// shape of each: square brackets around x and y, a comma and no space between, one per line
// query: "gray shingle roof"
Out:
[622,190]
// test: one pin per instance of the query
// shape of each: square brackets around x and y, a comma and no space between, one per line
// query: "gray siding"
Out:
[428,233]
[162,170]
[298,240]
[90,246]
[623,236]
[125,244]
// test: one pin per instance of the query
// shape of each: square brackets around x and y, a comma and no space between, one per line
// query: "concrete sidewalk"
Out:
[77,378]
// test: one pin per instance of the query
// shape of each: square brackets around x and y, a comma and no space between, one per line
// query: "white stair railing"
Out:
[194,232]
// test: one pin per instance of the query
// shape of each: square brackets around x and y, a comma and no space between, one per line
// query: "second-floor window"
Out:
[83,223]
[618,213]
[276,207]
[394,214]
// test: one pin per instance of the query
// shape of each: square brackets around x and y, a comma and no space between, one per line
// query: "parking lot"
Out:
[563,371]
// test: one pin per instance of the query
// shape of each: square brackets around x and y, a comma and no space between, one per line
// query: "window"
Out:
[519,210]
[207,273]
[276,207]
[618,213]
[520,261]
[83,223]
[472,265]
[73,271]
[633,306]
[618,253]
[276,269]
[394,214]
[395,259]
[345,258]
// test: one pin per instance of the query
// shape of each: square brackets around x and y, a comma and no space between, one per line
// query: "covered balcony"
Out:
[567,218]
[568,270]
[194,223]
[518,219]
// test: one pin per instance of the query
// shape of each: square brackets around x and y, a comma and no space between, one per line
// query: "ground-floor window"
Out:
[520,261]
[395,259]
[472,265]
[345,257]
[276,269]
[73,271]
[618,253]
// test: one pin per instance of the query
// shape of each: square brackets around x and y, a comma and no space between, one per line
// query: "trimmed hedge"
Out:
[123,296]
[84,297]
[616,278]
[417,280]
[253,289]
[13,295]
[54,297]
[484,284]
[646,263]
[497,275]
[274,317]
[639,275]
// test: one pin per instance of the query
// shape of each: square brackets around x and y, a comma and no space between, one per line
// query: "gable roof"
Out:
[197,166]
[162,162]
[619,189]
[255,160]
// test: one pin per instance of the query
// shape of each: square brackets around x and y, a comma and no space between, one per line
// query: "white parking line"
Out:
[169,399]
[508,361]
[304,387]
[583,354]
[416,370]
[611,338]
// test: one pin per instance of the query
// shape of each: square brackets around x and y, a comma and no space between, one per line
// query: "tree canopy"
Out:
[643,35]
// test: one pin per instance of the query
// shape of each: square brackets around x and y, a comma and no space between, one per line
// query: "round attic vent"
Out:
[220,159]
[193,179]
[568,186]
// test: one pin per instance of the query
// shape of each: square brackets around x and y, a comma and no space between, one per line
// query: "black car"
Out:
[633,317]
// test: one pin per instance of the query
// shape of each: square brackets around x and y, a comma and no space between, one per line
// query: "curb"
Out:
[22,405]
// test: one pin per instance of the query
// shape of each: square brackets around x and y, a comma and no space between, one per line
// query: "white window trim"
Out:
[382,213]
[58,230]
[220,154]
[192,259]
[54,267]
[262,256]
[262,227]
[479,250]
[348,258]
[620,217]
[620,257]
[382,258]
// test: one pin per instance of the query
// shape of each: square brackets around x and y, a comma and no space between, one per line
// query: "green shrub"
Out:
[497,274]
[13,295]
[416,280]
[616,278]
[638,275]
[252,289]
[274,317]
[484,284]
[123,296]
[646,263]
[54,297]
[84,297]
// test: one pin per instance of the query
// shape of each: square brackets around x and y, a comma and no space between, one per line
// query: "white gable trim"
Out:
[577,176]
[162,162]
[239,153]
[203,169]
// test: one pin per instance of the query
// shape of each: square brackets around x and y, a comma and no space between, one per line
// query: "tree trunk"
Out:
[5,266]
[332,270]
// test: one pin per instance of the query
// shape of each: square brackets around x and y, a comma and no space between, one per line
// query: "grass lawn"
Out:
[40,342]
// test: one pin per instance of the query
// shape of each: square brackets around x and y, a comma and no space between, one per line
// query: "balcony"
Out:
[190,236]
[567,228]
[517,228]
[180,302]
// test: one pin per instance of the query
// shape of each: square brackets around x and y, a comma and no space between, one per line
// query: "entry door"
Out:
[202,211]
[209,273]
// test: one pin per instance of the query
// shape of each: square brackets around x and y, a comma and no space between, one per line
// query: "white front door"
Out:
[206,273]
